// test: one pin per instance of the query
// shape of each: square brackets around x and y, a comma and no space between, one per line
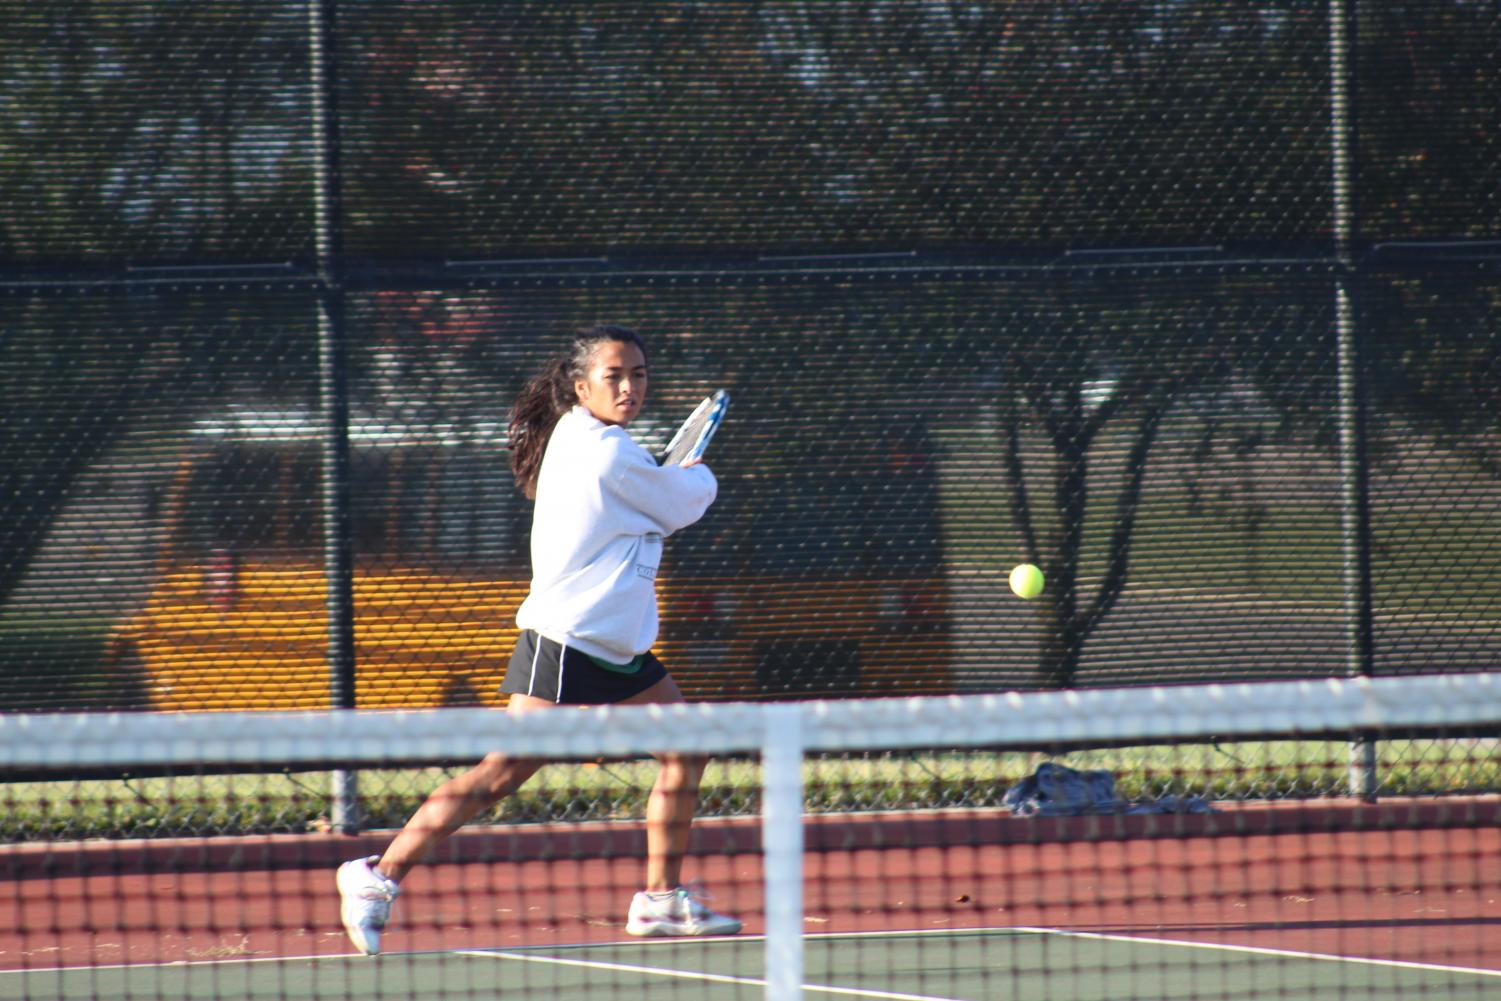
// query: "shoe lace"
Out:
[696,896]
[379,897]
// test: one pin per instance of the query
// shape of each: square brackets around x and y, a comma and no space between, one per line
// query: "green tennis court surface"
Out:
[970,965]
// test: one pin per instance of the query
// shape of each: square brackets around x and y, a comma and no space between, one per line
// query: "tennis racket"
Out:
[693,437]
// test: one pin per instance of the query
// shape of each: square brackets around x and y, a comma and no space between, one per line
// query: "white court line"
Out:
[181,964]
[522,954]
[665,941]
[711,978]
[356,957]
[1252,950]
[1323,957]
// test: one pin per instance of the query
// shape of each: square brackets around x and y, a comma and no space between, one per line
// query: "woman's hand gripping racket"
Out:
[693,437]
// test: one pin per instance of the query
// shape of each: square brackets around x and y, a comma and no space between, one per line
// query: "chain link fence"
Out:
[1194,304]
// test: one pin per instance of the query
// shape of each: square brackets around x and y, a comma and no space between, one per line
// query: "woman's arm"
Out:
[673,497]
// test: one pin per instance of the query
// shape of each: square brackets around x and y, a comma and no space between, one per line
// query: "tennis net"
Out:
[1289,840]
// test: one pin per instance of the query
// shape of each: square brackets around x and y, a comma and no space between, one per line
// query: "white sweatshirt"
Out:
[603,508]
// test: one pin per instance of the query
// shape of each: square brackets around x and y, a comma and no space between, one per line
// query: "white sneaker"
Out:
[366,902]
[682,912]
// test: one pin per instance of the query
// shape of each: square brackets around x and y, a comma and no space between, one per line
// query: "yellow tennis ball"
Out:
[1026,581]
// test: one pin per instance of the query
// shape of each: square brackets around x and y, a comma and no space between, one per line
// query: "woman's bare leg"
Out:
[673,802]
[669,819]
[459,800]
[669,810]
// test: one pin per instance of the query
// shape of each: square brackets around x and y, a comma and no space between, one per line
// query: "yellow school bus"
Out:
[813,581]
[798,584]
[236,617]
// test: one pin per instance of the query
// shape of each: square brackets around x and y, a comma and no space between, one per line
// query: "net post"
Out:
[1363,778]
[782,846]
[344,810]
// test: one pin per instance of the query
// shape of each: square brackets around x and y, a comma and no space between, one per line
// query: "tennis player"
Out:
[603,507]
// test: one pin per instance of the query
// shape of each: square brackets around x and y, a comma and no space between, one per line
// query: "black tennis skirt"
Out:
[568,676]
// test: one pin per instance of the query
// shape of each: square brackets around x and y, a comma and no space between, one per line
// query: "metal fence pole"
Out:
[333,389]
[1355,503]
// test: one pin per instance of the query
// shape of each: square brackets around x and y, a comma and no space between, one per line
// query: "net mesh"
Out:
[1137,843]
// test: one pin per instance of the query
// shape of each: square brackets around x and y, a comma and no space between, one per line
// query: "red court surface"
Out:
[1342,880]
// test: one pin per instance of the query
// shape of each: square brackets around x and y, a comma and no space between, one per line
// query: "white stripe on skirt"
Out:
[531,683]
